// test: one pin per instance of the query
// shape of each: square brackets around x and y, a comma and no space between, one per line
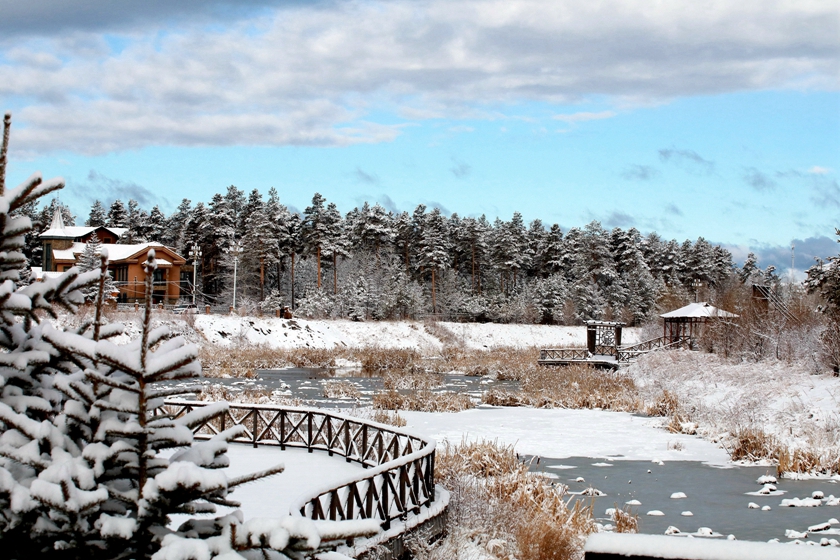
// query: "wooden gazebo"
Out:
[686,323]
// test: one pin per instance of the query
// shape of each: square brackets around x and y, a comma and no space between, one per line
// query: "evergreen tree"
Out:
[156,226]
[336,243]
[373,228]
[553,250]
[97,216]
[117,215]
[316,230]
[175,233]
[260,242]
[434,247]
[90,259]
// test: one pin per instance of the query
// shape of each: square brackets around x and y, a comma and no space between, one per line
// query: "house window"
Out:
[121,273]
[48,256]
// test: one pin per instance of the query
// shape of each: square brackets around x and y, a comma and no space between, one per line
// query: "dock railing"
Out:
[401,476]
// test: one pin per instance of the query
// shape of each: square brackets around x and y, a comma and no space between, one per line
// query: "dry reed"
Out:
[501,507]
[575,386]
[422,400]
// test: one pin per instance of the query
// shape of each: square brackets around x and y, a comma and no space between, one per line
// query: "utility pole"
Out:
[792,259]
[235,250]
[195,255]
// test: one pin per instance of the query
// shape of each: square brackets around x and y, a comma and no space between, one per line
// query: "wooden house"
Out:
[63,245]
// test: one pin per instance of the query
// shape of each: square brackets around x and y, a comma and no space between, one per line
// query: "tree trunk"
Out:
[319,267]
[434,301]
[293,281]
[262,278]
[473,267]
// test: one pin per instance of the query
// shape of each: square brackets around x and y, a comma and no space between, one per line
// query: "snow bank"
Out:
[226,330]
[785,400]
[656,546]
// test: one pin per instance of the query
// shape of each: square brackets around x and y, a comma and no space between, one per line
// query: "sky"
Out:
[690,118]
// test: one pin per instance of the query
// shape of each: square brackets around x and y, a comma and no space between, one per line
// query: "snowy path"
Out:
[304,474]
[560,433]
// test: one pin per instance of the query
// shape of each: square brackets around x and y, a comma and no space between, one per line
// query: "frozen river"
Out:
[625,456]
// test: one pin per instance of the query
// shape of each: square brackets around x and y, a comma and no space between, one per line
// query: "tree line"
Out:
[374,263]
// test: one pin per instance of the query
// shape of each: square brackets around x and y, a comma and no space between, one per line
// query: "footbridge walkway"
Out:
[394,485]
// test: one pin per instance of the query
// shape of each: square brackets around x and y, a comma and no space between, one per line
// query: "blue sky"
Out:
[686,118]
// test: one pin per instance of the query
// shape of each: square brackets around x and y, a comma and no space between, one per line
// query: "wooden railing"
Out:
[630,353]
[401,479]
[564,354]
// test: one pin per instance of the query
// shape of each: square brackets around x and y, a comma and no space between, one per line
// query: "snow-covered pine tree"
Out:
[97,216]
[553,249]
[216,231]
[175,232]
[434,247]
[90,260]
[32,447]
[137,222]
[260,241]
[372,228]
[404,239]
[156,226]
[315,230]
[117,214]
[336,244]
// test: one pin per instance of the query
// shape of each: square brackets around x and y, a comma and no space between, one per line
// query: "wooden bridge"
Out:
[604,347]
[401,478]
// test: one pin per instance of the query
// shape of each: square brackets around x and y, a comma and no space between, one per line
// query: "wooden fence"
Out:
[401,476]
[628,354]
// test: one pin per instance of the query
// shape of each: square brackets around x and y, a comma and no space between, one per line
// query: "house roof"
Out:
[118,253]
[58,230]
[697,311]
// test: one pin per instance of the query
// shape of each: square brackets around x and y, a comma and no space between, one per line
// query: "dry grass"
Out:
[396,380]
[665,405]
[500,507]
[625,520]
[388,417]
[341,389]
[423,400]
[754,445]
[215,393]
[575,386]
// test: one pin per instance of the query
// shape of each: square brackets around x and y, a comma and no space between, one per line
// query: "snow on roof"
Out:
[121,252]
[69,254]
[115,252]
[697,310]
[59,230]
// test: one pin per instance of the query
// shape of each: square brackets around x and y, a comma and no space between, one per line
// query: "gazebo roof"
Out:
[702,310]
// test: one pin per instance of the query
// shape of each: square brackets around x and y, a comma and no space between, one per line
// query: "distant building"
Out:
[686,323]
[64,244]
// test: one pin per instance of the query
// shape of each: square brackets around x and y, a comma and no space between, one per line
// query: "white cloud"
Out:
[585,116]
[817,170]
[311,74]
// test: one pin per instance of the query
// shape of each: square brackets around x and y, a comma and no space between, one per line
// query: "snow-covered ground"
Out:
[560,433]
[227,330]
[788,401]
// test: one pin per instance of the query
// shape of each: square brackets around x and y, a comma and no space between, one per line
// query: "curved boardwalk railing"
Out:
[401,476]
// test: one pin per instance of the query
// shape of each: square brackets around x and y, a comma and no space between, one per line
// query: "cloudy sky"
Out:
[692,118]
